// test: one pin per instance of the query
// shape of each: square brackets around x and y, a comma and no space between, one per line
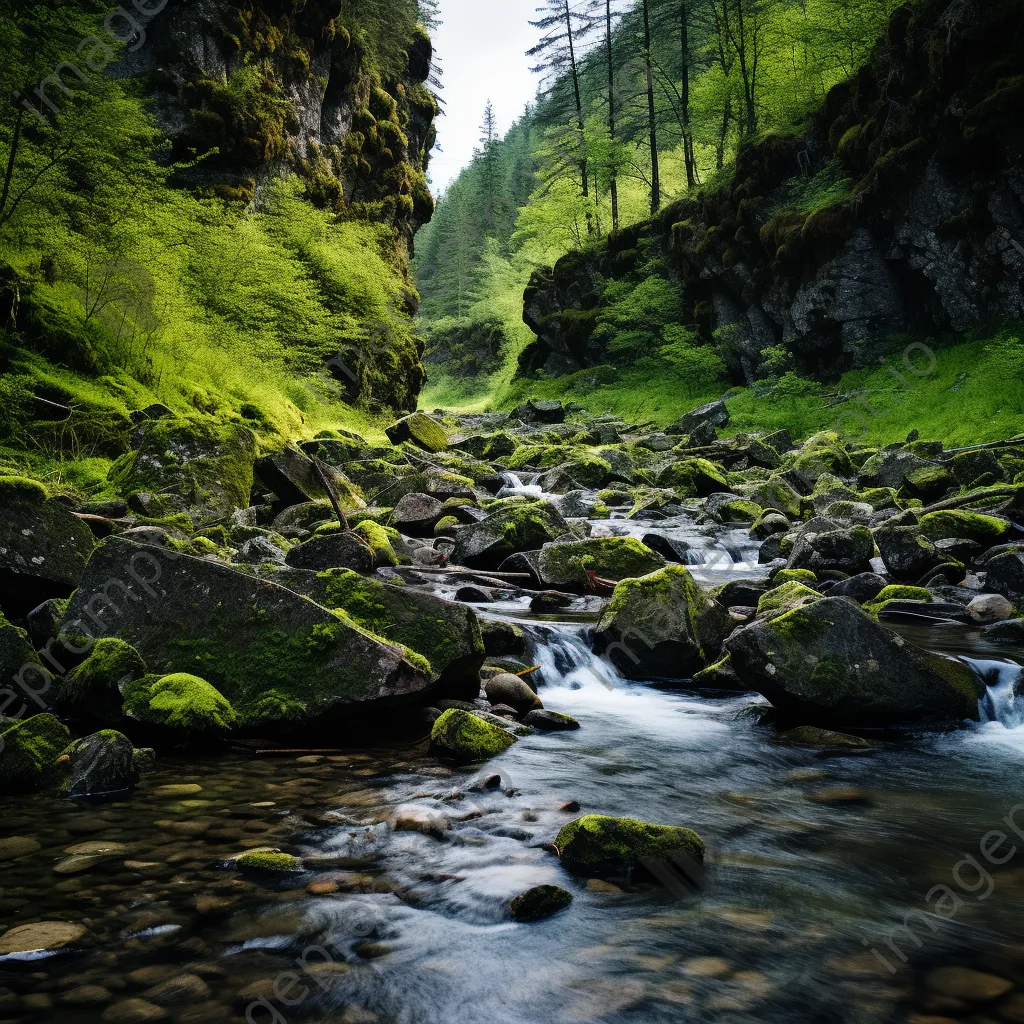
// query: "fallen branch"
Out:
[982,494]
[332,494]
[985,447]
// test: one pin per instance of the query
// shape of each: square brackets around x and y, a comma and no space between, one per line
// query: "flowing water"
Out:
[399,915]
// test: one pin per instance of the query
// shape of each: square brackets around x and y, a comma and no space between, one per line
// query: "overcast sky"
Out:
[482,45]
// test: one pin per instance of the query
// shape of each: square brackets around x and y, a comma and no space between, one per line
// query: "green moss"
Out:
[787,597]
[445,525]
[28,753]
[596,845]
[612,558]
[180,701]
[740,511]
[970,525]
[804,576]
[379,539]
[111,664]
[20,488]
[694,477]
[467,737]
[897,593]
[266,860]
[271,708]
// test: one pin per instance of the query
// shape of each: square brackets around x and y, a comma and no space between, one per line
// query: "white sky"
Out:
[482,45]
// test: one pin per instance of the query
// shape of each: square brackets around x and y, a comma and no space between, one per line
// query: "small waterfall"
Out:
[1001,703]
[566,659]
[514,485]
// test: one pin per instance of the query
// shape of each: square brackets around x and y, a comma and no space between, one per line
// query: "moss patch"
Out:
[28,754]
[467,737]
[970,525]
[179,701]
[612,558]
[20,488]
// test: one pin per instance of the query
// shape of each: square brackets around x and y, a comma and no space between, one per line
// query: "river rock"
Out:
[864,587]
[92,690]
[907,554]
[446,633]
[186,614]
[1005,575]
[333,551]
[133,1011]
[100,764]
[506,688]
[13,847]
[43,935]
[518,526]
[830,664]
[185,988]
[209,465]
[1011,631]
[848,551]
[539,902]
[609,558]
[598,846]
[417,514]
[421,430]
[809,736]
[546,720]
[467,737]
[28,753]
[967,984]
[43,547]
[661,626]
[988,608]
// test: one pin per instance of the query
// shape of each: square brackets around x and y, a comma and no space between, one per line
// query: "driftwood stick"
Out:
[982,494]
[332,494]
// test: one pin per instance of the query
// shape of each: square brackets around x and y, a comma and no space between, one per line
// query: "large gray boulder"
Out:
[99,764]
[1005,575]
[662,626]
[828,663]
[332,551]
[848,551]
[516,526]
[908,555]
[255,641]
[43,547]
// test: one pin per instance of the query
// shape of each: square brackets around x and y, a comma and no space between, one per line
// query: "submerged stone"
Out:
[539,902]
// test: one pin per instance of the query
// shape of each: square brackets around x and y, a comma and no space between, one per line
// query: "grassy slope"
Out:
[972,395]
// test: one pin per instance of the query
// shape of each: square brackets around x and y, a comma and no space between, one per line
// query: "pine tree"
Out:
[488,159]
[559,50]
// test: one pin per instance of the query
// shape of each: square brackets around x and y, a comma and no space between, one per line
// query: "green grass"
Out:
[972,395]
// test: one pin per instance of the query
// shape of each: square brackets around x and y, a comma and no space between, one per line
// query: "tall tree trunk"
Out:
[684,95]
[584,170]
[614,184]
[723,133]
[746,71]
[655,175]
[11,160]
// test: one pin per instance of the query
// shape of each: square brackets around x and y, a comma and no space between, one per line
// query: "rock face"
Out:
[827,663]
[600,847]
[43,548]
[936,158]
[661,626]
[257,642]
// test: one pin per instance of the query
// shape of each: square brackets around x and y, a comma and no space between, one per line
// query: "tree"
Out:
[651,110]
[489,158]
[563,33]
[605,10]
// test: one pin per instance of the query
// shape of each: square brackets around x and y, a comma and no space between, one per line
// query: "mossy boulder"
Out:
[332,551]
[28,754]
[466,737]
[597,846]
[208,464]
[295,479]
[661,626]
[93,690]
[421,430]
[546,720]
[928,482]
[512,527]
[908,555]
[984,529]
[179,701]
[502,637]
[786,597]
[98,765]
[243,634]
[828,663]
[270,862]
[380,541]
[539,902]
[848,551]
[21,488]
[805,576]
[19,664]
[694,478]
[610,558]
[896,592]
[446,633]
[43,548]
[778,493]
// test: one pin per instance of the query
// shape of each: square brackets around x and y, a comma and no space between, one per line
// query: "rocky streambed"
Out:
[530,717]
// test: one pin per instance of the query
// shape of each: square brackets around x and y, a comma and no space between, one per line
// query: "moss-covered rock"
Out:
[502,637]
[908,555]
[827,663]
[268,862]
[896,592]
[804,576]
[93,689]
[244,634]
[209,464]
[596,846]
[295,479]
[694,478]
[778,493]
[929,483]
[467,737]
[848,551]
[98,765]
[786,597]
[421,430]
[379,539]
[179,701]
[29,750]
[19,663]
[511,527]
[972,525]
[826,739]
[609,558]
[661,626]
[21,488]
[539,902]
